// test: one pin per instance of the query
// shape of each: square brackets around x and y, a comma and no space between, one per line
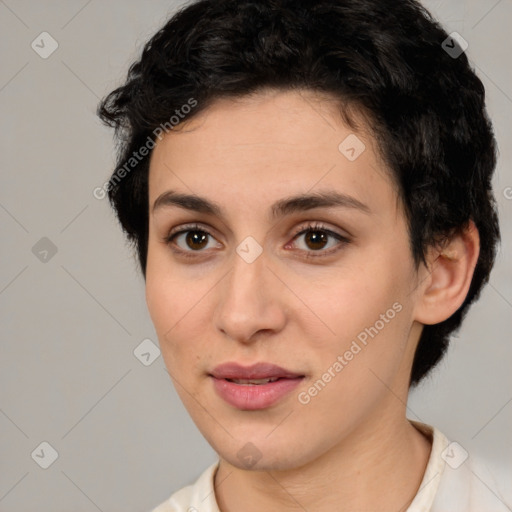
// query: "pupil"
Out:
[315,238]
[193,237]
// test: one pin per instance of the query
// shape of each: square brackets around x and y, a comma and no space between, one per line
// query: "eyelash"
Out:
[343,240]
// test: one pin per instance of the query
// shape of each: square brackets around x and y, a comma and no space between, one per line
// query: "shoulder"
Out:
[471,487]
[456,480]
[197,497]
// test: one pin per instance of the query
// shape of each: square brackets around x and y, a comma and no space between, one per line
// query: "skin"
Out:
[351,447]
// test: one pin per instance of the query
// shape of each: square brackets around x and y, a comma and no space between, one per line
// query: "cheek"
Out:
[177,311]
[166,290]
[364,319]
[356,370]
[349,303]
[165,298]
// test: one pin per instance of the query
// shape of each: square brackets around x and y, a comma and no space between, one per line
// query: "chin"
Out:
[258,453]
[274,462]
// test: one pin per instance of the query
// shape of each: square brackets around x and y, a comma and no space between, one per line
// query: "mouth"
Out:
[254,387]
[250,382]
[256,373]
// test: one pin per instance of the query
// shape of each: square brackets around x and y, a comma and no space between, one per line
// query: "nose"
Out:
[250,301]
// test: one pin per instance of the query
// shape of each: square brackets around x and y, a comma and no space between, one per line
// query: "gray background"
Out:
[70,324]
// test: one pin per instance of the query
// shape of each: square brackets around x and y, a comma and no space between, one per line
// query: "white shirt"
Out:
[453,482]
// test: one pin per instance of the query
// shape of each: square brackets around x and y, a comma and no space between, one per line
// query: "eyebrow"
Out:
[286,206]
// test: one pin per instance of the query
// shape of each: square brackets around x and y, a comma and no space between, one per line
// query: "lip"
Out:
[234,370]
[253,396]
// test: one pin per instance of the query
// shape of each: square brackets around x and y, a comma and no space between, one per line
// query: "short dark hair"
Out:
[425,107]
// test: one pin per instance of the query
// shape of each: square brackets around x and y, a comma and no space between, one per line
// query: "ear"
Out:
[448,277]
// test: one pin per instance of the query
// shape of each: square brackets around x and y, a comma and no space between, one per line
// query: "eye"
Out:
[316,239]
[194,238]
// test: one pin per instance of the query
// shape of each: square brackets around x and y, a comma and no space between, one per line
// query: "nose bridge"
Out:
[247,303]
[245,281]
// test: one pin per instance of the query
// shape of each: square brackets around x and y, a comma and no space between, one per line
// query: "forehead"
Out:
[268,145]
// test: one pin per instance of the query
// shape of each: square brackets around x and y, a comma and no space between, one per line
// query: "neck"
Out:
[378,467]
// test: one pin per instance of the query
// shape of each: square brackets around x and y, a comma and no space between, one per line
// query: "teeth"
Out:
[248,382]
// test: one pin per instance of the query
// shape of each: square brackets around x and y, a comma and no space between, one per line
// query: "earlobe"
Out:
[450,270]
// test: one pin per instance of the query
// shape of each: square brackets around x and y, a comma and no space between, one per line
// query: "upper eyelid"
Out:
[189,227]
[320,226]
[304,226]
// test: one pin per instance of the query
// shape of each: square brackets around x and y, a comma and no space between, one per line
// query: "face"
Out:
[294,265]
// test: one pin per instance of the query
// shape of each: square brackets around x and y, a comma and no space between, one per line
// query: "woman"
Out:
[313,217]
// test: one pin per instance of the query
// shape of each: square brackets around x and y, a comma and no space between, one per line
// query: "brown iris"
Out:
[317,239]
[196,239]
